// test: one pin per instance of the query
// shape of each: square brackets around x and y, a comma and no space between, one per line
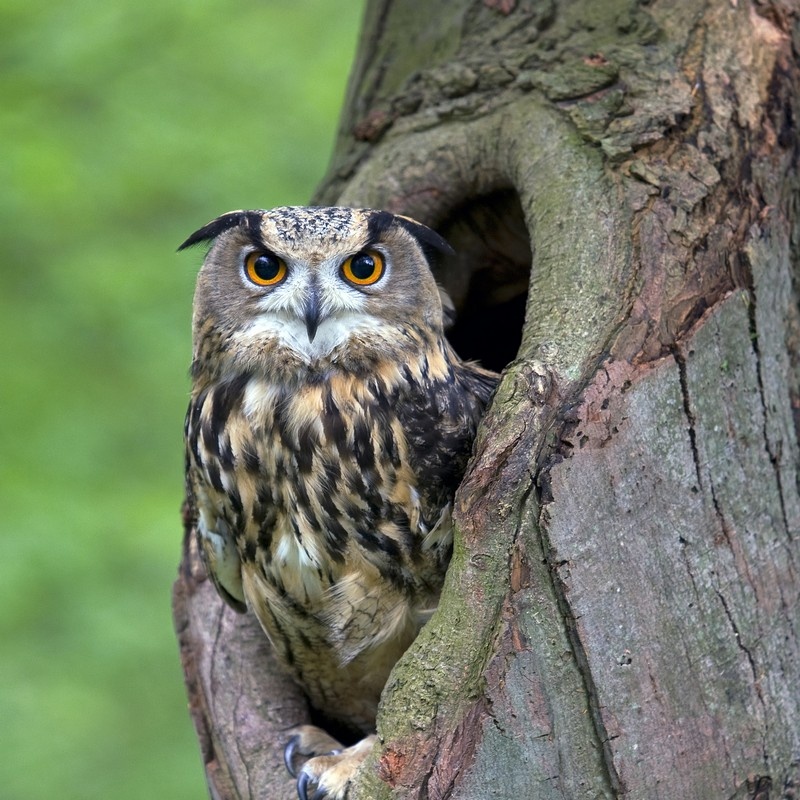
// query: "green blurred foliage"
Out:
[124,126]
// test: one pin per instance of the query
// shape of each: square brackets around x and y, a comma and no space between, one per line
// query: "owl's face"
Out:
[308,285]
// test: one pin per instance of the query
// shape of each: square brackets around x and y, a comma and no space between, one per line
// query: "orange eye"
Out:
[264,269]
[364,268]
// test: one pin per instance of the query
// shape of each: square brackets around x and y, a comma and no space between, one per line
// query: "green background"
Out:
[124,127]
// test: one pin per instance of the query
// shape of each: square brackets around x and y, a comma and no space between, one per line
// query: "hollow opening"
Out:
[488,277]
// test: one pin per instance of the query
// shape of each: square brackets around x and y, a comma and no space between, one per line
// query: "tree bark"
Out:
[620,618]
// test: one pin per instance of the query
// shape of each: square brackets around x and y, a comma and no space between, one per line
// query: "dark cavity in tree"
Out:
[488,277]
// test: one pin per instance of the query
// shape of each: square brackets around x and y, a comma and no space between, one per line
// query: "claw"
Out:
[326,767]
[288,755]
[302,788]
[289,752]
[302,783]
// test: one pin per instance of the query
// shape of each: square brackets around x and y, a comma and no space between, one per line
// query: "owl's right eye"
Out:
[264,269]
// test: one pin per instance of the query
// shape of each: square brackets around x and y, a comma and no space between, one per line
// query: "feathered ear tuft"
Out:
[250,219]
[427,237]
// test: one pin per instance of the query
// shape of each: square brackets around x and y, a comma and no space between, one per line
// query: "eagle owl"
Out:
[330,423]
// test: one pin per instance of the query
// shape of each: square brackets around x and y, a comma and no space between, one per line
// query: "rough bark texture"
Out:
[621,614]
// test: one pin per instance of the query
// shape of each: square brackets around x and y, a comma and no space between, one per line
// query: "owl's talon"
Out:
[306,742]
[332,772]
[288,754]
[302,783]
[302,788]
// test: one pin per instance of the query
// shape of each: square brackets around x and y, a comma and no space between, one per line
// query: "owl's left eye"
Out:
[264,269]
[364,268]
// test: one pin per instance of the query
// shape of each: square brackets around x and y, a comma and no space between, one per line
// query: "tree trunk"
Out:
[620,617]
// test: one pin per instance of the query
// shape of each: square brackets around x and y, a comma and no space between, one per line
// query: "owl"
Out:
[329,426]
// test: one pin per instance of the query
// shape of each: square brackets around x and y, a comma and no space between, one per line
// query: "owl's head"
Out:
[306,287]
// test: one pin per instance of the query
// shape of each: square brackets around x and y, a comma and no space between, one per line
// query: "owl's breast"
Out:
[335,493]
[324,482]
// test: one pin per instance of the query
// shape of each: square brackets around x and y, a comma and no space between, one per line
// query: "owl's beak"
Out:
[312,314]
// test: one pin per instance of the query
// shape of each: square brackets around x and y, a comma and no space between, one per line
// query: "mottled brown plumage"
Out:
[329,426]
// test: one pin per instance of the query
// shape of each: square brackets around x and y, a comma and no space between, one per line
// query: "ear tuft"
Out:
[430,241]
[427,237]
[251,220]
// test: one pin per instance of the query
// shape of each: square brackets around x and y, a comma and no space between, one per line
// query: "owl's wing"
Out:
[223,565]
[440,422]
[478,384]
[217,549]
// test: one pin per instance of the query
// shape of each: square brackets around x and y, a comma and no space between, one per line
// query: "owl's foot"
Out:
[328,768]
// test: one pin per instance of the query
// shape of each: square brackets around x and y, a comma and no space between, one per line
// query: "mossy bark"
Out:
[621,614]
